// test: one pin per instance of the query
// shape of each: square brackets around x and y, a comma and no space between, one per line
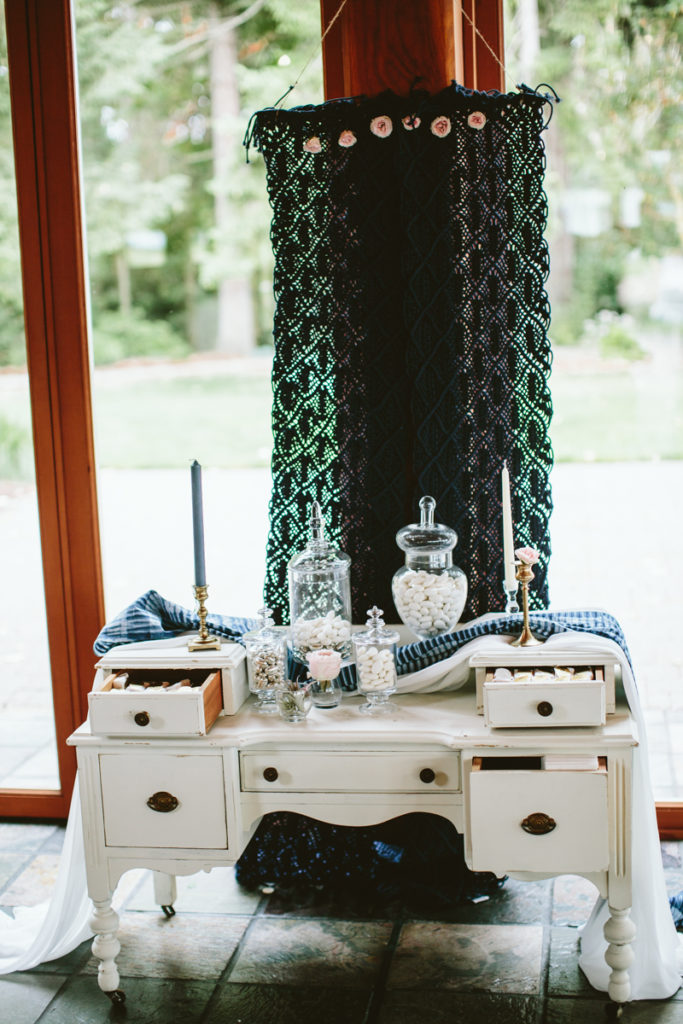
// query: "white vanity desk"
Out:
[180,805]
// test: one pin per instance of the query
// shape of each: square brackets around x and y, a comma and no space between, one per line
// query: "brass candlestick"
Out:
[203,641]
[525,574]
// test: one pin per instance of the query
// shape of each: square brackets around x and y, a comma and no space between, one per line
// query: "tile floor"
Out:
[234,957]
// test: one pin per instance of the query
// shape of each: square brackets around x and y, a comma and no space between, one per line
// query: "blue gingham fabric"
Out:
[152,617]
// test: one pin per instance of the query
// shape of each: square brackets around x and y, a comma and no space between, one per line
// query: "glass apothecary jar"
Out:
[429,590]
[266,660]
[319,594]
[375,654]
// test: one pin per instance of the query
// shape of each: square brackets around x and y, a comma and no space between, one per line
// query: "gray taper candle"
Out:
[198,525]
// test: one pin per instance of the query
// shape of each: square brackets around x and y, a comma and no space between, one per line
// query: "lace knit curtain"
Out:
[411,350]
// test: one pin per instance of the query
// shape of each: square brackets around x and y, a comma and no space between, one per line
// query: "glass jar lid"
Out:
[265,631]
[319,552]
[426,537]
[376,632]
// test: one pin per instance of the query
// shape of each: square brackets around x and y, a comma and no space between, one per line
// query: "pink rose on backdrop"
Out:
[476,119]
[527,555]
[411,121]
[324,664]
[381,126]
[347,138]
[313,145]
[441,126]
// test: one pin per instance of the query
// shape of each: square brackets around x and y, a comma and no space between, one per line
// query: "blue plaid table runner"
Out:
[152,617]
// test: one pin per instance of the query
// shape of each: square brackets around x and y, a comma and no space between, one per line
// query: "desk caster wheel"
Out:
[613,1011]
[117,997]
[168,910]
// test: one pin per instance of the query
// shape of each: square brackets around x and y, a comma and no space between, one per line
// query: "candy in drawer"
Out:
[528,698]
[162,800]
[523,816]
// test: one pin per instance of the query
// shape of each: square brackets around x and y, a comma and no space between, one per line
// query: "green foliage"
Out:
[119,336]
[15,450]
[613,335]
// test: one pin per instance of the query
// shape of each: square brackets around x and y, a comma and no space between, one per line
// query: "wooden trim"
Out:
[670,820]
[480,68]
[45,129]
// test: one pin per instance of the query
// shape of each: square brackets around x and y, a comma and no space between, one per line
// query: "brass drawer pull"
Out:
[538,824]
[427,775]
[163,802]
[270,774]
[545,708]
[142,718]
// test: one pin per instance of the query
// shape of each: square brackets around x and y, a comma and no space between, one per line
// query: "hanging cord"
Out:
[486,44]
[316,51]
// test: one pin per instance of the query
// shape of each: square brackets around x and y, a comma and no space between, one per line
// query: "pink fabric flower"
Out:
[411,121]
[313,145]
[441,126]
[347,138]
[324,664]
[381,126]
[476,119]
[527,555]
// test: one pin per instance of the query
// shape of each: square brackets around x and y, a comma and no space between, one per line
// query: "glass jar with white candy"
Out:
[429,590]
[266,660]
[319,594]
[375,654]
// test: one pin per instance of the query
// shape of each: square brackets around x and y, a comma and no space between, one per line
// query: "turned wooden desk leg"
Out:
[165,891]
[620,932]
[105,923]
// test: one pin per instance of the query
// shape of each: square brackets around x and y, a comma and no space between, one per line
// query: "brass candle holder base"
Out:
[525,574]
[203,641]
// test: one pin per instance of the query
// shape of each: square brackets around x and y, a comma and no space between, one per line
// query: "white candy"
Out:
[326,631]
[376,670]
[429,603]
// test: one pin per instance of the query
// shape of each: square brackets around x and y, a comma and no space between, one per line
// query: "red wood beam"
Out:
[44,119]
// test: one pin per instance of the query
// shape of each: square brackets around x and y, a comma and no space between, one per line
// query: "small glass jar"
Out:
[375,654]
[293,701]
[319,594]
[429,591]
[266,660]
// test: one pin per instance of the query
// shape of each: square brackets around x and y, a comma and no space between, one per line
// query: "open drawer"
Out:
[522,817]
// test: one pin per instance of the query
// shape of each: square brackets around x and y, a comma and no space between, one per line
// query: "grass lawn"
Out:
[144,419]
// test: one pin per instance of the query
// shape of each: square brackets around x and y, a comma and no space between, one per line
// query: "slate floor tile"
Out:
[149,1001]
[590,1011]
[457,1008]
[34,884]
[284,1004]
[23,996]
[67,964]
[191,946]
[565,977]
[330,954]
[490,958]
[215,892]
[10,865]
[573,899]
[23,837]
[514,903]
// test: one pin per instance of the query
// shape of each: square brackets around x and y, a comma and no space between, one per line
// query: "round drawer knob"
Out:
[538,824]
[163,802]
[427,775]
[545,708]
[270,774]
[142,718]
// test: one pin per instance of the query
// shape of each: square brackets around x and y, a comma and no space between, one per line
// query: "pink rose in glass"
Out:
[324,664]
[313,145]
[347,138]
[476,119]
[527,555]
[381,126]
[441,126]
[411,121]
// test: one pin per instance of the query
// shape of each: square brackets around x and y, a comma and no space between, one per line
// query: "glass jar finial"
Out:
[427,509]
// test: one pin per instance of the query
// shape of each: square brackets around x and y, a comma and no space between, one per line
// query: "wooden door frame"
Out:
[43,95]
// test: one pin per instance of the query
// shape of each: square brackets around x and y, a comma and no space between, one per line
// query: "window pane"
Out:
[28,752]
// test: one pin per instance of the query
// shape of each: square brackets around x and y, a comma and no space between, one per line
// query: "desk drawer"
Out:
[190,711]
[529,705]
[312,772]
[164,801]
[530,819]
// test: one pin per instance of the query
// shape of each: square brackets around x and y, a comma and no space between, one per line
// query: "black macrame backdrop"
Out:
[411,351]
